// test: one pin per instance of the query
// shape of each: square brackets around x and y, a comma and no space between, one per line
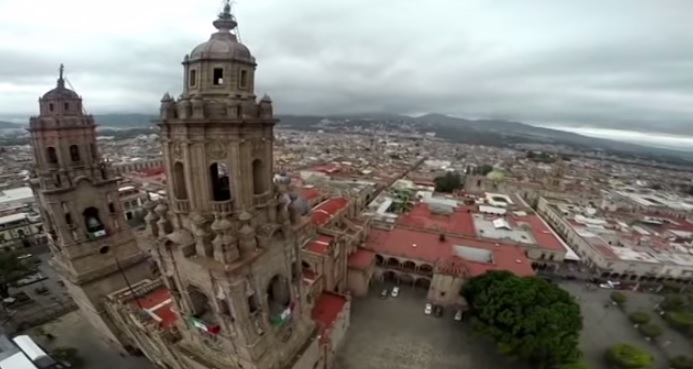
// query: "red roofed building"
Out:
[331,312]
[361,267]
[328,210]
[459,222]
[440,263]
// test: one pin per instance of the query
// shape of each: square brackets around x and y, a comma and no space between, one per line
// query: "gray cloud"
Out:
[618,64]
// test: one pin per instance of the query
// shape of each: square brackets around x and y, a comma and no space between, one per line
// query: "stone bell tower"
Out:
[226,244]
[94,250]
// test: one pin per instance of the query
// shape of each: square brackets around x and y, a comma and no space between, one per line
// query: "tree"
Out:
[575,365]
[619,297]
[639,317]
[681,362]
[527,317]
[449,182]
[68,355]
[628,357]
[651,330]
[483,170]
[681,320]
[11,270]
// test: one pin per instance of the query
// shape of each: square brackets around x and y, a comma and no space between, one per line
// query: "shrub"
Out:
[628,357]
[68,355]
[674,302]
[651,330]
[639,317]
[619,297]
[576,365]
[680,320]
[681,362]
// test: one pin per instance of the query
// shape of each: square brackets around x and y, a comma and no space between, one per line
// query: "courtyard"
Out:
[604,327]
[395,333]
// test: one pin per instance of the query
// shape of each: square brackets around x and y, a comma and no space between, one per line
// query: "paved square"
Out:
[604,327]
[395,333]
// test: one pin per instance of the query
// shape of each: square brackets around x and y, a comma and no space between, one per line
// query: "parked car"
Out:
[395,292]
[458,316]
[384,293]
[428,309]
[438,311]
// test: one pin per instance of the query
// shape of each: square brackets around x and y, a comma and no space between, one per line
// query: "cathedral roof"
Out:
[60,92]
[223,44]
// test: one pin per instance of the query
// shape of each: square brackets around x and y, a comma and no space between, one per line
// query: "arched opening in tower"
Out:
[51,155]
[200,306]
[179,188]
[74,153]
[278,299]
[258,177]
[95,227]
[219,175]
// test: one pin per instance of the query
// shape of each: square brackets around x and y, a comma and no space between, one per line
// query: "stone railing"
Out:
[261,199]
[222,207]
[180,206]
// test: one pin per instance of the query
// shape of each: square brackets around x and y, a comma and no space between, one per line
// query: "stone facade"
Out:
[227,239]
[94,250]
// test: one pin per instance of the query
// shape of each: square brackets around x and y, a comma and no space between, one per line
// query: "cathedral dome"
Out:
[60,92]
[223,44]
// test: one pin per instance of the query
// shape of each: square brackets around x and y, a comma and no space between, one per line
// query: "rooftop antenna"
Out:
[61,81]
[231,4]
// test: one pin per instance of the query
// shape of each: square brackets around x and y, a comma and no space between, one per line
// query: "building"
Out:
[22,352]
[21,230]
[16,198]
[228,234]
[93,249]
[626,245]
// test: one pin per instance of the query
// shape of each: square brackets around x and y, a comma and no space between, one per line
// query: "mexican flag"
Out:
[211,329]
[282,317]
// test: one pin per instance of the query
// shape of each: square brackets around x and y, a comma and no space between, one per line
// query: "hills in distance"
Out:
[482,131]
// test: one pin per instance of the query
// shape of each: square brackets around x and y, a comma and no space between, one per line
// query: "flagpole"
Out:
[127,282]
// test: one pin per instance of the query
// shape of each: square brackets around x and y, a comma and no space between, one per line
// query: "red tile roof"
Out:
[459,222]
[324,211]
[326,310]
[424,246]
[158,304]
[542,233]
[321,244]
[310,193]
[361,259]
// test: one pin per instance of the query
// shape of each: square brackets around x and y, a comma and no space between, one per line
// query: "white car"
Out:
[395,292]
[458,315]
[428,309]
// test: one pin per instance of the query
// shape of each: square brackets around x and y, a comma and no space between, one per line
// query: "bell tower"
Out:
[93,249]
[226,241]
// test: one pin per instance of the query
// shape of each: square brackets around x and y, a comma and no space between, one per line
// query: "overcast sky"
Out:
[616,63]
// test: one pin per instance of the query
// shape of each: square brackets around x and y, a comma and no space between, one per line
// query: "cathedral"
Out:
[217,279]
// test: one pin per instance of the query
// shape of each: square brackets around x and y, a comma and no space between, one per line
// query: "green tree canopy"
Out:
[527,317]
[483,170]
[11,270]
[680,320]
[619,297]
[629,357]
[575,365]
[681,362]
[639,317]
[651,330]
[449,182]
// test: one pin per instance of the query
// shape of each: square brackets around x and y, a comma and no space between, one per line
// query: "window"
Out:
[95,227]
[52,155]
[239,111]
[193,77]
[68,219]
[74,153]
[111,207]
[67,106]
[179,188]
[258,177]
[94,154]
[218,77]
[244,78]
[50,107]
[221,190]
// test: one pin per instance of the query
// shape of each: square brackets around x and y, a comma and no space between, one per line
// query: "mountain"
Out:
[483,131]
[9,125]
